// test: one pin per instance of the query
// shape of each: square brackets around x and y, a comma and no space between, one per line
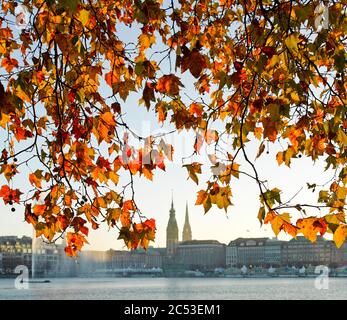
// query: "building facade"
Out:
[302,252]
[201,255]
[248,252]
[14,252]
[134,259]
[264,252]
[273,253]
[41,258]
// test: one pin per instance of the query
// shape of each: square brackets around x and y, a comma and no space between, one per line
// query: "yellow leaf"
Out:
[340,235]
[146,40]
[295,97]
[114,177]
[83,16]
[292,42]
[5,119]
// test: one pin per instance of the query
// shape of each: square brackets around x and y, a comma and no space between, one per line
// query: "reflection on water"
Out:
[175,289]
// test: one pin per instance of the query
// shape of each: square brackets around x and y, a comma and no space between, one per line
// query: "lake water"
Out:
[176,289]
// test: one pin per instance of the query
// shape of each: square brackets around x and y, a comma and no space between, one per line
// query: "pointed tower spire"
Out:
[172,204]
[187,231]
[172,231]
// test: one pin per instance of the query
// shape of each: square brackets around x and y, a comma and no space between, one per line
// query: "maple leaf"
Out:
[9,195]
[269,51]
[9,64]
[169,84]
[111,78]
[196,109]
[195,62]
[250,83]
[36,179]
[310,226]
[340,235]
[108,118]
[39,209]
[193,169]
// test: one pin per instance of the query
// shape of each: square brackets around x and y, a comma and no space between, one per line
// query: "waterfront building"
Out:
[273,253]
[246,251]
[302,252]
[43,259]
[231,255]
[201,255]
[134,259]
[14,252]
[264,252]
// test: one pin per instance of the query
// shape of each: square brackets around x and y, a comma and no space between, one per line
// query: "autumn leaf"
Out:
[36,179]
[83,16]
[196,109]
[340,235]
[111,78]
[9,64]
[39,209]
[9,195]
[194,169]
[169,84]
[310,226]
[108,118]
[204,199]
[253,79]
[195,62]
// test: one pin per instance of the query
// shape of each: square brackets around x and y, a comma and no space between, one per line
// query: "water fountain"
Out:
[33,255]
[35,245]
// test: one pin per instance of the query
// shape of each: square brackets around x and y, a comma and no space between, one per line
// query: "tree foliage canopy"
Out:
[274,71]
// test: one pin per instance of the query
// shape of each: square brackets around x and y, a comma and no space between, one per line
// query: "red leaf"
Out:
[238,66]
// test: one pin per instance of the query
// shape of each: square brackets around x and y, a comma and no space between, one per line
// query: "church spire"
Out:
[187,231]
[172,232]
[172,203]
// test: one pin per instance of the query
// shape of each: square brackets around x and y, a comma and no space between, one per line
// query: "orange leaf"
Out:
[9,64]
[39,209]
[35,181]
[309,227]
[108,118]
[9,195]
[169,84]
[196,109]
[125,218]
[128,205]
[111,78]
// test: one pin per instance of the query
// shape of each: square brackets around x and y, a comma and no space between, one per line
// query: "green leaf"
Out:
[261,215]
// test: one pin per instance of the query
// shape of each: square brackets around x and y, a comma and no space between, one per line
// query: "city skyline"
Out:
[155,200]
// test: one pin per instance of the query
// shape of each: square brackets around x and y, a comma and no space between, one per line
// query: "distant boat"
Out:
[36,281]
